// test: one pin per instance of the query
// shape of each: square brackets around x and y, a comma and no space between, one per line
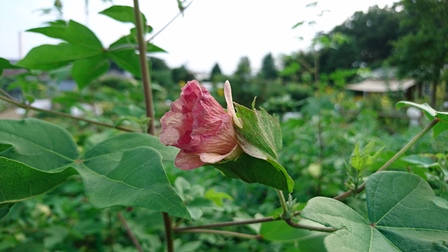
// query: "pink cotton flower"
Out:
[200,127]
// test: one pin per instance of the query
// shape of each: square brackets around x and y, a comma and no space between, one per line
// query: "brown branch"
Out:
[129,232]
[228,223]
[222,232]
[168,232]
[29,107]
[144,68]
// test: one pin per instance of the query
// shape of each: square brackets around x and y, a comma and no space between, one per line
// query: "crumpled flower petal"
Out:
[200,127]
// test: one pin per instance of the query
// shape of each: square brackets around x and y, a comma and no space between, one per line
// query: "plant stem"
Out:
[222,232]
[130,233]
[144,67]
[168,232]
[394,158]
[28,107]
[228,223]
[149,102]
[282,203]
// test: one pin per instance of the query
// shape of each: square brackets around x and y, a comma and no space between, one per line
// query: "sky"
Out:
[209,32]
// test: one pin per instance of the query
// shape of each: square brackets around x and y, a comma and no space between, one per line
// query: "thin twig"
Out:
[129,232]
[394,158]
[222,232]
[313,228]
[29,107]
[228,223]
[6,94]
[167,24]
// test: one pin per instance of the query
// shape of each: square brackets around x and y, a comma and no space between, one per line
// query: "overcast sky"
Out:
[210,31]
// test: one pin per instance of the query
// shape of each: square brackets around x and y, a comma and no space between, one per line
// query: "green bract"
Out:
[261,138]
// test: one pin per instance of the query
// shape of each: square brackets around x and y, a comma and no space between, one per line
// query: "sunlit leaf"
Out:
[402,216]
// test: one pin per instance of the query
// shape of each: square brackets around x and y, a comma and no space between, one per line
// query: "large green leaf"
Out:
[19,181]
[34,158]
[115,174]
[38,144]
[73,33]
[122,13]
[86,70]
[402,217]
[254,170]
[120,171]
[47,57]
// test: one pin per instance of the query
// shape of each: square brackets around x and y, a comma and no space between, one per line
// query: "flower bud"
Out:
[200,128]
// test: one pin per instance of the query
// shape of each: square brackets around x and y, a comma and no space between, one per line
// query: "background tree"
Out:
[423,53]
[268,69]
[368,40]
[182,74]
[216,74]
[243,89]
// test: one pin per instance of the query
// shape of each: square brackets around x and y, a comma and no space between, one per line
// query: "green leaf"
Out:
[421,160]
[73,33]
[122,13]
[129,177]
[307,240]
[361,160]
[298,24]
[47,57]
[402,217]
[217,197]
[4,209]
[127,59]
[442,125]
[118,171]
[132,140]
[431,113]
[38,144]
[253,170]
[19,181]
[5,64]
[86,70]
[261,135]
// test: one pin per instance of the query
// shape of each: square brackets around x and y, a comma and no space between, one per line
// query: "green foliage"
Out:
[422,53]
[104,168]
[432,114]
[419,226]
[122,13]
